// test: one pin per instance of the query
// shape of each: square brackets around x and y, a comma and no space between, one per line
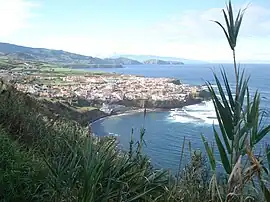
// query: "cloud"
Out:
[189,35]
[197,25]
[15,15]
[193,35]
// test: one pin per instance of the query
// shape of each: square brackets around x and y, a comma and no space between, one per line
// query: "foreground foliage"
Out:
[240,121]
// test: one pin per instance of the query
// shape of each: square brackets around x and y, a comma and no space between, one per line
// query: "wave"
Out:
[113,134]
[203,113]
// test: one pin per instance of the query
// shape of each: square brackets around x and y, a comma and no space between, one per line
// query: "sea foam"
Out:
[203,113]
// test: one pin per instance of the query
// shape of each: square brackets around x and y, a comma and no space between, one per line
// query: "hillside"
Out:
[142,58]
[123,61]
[162,62]
[52,56]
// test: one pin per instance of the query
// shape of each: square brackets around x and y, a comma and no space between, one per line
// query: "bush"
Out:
[21,175]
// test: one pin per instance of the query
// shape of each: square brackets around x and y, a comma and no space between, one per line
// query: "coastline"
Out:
[134,110]
[128,112]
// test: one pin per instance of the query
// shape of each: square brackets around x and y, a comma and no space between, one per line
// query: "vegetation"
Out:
[52,56]
[58,161]
[240,127]
[46,155]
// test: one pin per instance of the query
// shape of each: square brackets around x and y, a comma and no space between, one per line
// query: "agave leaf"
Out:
[261,134]
[210,154]
[221,126]
[222,153]
[249,118]
[237,18]
[238,22]
[222,94]
[226,34]
[224,114]
[229,30]
[228,89]
[254,118]
[240,99]
[230,14]
[268,155]
[241,79]
[254,108]
[243,92]
[233,27]
[244,135]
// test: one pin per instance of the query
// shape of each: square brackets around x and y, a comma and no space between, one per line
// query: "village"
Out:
[110,88]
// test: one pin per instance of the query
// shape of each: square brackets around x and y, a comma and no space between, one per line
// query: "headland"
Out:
[93,95]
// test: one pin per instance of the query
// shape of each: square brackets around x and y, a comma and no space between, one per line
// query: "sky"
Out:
[101,28]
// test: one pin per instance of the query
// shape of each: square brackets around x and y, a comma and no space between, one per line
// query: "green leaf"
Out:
[135,198]
[226,34]
[228,89]
[261,134]
[268,155]
[222,94]
[254,118]
[238,21]
[230,14]
[229,30]
[244,135]
[221,126]
[210,154]
[249,118]
[243,92]
[265,191]
[223,114]
[222,153]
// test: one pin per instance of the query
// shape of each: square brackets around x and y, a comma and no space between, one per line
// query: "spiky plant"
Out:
[232,31]
[239,124]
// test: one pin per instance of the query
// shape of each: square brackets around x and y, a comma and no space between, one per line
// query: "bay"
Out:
[165,131]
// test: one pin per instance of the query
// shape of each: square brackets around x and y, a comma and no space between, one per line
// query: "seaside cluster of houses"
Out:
[112,88]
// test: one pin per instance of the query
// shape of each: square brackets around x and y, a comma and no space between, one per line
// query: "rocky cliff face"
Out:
[190,99]
[162,104]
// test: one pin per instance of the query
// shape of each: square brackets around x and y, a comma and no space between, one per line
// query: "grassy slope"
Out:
[50,158]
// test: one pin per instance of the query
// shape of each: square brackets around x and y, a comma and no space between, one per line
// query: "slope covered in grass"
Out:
[49,158]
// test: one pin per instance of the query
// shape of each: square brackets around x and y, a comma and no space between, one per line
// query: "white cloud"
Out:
[193,35]
[14,15]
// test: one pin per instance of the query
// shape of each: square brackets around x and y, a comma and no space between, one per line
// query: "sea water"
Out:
[165,131]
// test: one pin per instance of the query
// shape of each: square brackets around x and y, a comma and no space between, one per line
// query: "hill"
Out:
[162,62]
[123,61]
[142,58]
[53,56]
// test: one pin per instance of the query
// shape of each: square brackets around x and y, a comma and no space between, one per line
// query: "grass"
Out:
[58,160]
[21,175]
[62,70]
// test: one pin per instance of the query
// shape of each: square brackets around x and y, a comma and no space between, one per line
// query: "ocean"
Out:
[165,131]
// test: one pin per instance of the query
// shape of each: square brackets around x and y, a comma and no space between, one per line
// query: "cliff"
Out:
[161,104]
